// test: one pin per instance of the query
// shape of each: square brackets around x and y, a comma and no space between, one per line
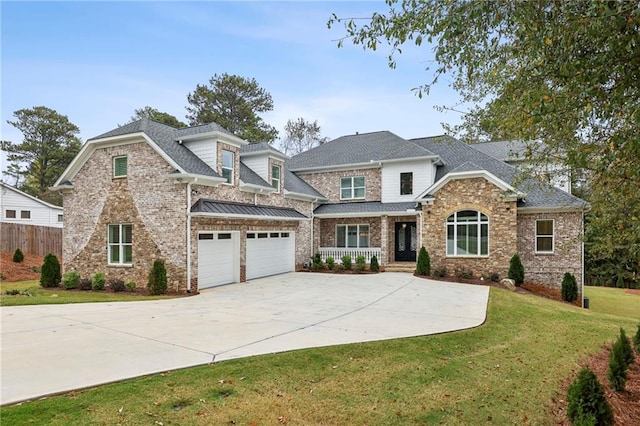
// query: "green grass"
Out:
[613,301]
[504,372]
[47,296]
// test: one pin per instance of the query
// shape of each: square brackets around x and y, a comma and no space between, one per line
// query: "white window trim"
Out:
[232,168]
[346,236]
[15,214]
[455,224]
[278,179]
[553,237]
[121,246]
[353,188]
[114,167]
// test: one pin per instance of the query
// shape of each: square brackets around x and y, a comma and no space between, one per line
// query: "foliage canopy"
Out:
[564,73]
[159,116]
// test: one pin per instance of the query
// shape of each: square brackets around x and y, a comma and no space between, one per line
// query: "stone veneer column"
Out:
[384,240]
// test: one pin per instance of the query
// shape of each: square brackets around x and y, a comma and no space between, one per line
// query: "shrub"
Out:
[157,283]
[84,284]
[586,402]
[50,275]
[617,374]
[627,352]
[423,267]
[317,258]
[317,267]
[375,267]
[70,280]
[620,282]
[636,340]
[339,269]
[569,288]
[331,263]
[98,281]
[516,270]
[130,285]
[464,273]
[491,276]
[116,285]
[361,263]
[440,271]
[346,262]
[18,256]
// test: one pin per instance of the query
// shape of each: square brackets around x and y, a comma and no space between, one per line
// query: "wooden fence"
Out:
[39,240]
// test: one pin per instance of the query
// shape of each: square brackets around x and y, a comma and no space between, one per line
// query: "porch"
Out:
[338,252]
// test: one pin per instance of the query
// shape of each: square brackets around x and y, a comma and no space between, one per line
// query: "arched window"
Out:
[468,234]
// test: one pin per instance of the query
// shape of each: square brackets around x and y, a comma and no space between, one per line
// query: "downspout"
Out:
[188,212]
[420,243]
[312,226]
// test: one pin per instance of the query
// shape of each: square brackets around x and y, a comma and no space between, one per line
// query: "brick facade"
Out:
[471,194]
[328,183]
[549,268]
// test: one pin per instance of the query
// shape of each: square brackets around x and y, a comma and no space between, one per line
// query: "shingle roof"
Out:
[455,154]
[293,183]
[357,149]
[164,137]
[249,176]
[260,147]
[509,150]
[365,207]
[242,209]
[202,128]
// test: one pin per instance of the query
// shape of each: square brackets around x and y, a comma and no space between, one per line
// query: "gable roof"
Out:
[359,149]
[31,197]
[250,177]
[261,148]
[461,157]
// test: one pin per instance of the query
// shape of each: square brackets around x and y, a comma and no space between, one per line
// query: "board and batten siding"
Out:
[423,175]
[40,214]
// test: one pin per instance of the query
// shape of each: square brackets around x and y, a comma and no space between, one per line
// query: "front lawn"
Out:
[614,301]
[507,371]
[33,294]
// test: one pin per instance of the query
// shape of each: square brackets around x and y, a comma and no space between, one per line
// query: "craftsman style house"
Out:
[219,210]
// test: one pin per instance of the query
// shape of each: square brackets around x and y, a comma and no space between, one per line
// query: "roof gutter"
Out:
[365,214]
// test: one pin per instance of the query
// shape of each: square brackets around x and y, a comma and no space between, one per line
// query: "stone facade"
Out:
[471,194]
[549,268]
[328,183]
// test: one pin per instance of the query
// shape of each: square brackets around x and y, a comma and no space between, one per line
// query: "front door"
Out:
[406,242]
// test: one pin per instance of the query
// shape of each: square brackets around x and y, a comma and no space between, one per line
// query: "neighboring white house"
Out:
[19,207]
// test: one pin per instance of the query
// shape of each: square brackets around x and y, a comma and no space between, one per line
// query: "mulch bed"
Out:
[29,269]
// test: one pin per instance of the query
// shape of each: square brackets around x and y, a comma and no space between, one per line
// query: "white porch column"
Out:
[384,240]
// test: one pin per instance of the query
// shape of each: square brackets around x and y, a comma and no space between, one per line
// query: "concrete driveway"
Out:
[49,349]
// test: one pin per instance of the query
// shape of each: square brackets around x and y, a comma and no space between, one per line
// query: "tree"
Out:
[233,102]
[300,136]
[561,72]
[154,114]
[48,146]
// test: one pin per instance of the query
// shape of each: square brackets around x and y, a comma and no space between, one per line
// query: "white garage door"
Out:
[270,253]
[218,258]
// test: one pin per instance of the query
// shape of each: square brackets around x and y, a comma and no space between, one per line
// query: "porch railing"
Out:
[338,252]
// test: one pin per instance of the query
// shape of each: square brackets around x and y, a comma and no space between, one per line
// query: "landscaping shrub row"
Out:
[347,264]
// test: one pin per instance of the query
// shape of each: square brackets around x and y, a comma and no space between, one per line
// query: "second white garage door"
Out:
[270,253]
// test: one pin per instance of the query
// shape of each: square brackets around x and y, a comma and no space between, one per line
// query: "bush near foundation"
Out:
[117,285]
[569,288]
[516,270]
[423,267]
[84,284]
[586,402]
[157,283]
[331,263]
[361,263]
[50,275]
[375,266]
[98,281]
[130,285]
[70,280]
[346,262]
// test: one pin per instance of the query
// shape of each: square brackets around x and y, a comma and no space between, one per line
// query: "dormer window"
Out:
[120,167]
[352,188]
[275,177]
[228,161]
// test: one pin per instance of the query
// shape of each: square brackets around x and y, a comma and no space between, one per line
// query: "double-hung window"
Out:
[120,244]
[275,177]
[228,161]
[120,167]
[468,234]
[352,187]
[352,236]
[544,236]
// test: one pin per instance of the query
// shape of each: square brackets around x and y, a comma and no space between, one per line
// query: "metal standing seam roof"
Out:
[365,207]
[222,208]
[458,155]
[358,149]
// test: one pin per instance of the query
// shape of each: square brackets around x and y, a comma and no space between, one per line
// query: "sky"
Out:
[96,62]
